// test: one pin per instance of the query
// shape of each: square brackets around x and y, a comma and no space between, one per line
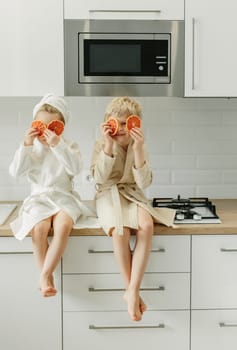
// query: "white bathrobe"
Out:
[120,189]
[50,172]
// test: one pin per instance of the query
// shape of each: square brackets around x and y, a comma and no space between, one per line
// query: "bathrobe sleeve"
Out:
[69,155]
[101,165]
[22,161]
[143,176]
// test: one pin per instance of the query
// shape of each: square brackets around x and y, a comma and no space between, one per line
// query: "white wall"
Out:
[192,143]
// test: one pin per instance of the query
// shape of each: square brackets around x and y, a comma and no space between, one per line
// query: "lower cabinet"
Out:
[27,320]
[214,330]
[94,312]
[214,292]
[167,330]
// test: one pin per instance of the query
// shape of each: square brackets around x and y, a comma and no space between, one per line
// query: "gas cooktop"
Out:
[199,210]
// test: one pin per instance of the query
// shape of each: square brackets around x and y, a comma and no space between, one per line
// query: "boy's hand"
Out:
[51,138]
[30,135]
[106,133]
[138,138]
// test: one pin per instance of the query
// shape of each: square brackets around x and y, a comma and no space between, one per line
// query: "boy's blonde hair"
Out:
[50,109]
[121,106]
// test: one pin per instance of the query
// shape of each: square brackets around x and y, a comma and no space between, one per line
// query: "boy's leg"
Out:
[62,226]
[139,262]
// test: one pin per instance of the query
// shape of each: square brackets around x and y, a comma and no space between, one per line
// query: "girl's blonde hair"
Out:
[51,109]
[121,106]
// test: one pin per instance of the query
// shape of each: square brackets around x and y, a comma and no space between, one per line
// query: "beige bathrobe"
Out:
[120,187]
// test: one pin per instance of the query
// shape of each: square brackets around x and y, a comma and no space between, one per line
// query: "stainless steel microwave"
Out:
[124,57]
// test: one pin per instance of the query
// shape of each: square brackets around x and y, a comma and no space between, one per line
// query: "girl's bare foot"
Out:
[47,286]
[134,304]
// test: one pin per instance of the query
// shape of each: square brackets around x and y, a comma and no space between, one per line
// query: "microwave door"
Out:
[123,58]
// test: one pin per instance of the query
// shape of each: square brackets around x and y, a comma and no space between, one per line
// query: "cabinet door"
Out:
[27,320]
[214,266]
[125,9]
[210,50]
[113,330]
[214,330]
[95,255]
[104,292]
[31,36]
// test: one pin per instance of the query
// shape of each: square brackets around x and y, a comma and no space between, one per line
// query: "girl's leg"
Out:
[139,262]
[39,236]
[62,226]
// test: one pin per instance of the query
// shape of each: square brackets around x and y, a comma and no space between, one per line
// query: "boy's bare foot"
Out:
[47,286]
[134,305]
[143,306]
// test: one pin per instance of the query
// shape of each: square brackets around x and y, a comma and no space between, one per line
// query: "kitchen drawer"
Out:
[214,330]
[94,254]
[151,9]
[167,330]
[214,271]
[104,292]
[12,245]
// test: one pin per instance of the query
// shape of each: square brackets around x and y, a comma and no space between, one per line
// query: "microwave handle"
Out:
[124,11]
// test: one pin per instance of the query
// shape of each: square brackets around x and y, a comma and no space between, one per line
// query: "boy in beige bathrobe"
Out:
[120,168]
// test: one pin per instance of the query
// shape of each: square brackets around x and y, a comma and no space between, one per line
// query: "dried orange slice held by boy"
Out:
[56,126]
[39,126]
[113,123]
[132,122]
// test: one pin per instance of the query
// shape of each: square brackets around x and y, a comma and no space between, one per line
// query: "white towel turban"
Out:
[55,101]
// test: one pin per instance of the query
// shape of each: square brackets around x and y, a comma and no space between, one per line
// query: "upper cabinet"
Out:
[210,48]
[31,38]
[124,9]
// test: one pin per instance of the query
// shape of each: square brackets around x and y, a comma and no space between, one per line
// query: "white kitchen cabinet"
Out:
[31,37]
[113,330]
[125,9]
[214,271]
[27,320]
[214,330]
[214,290]
[94,311]
[210,50]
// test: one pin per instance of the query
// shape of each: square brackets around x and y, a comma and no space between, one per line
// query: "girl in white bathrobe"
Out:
[49,162]
[121,170]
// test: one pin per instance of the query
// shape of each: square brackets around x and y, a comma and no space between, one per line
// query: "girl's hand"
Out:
[51,138]
[138,138]
[30,135]
[106,133]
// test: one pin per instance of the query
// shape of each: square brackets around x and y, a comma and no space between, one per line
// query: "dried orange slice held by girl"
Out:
[39,126]
[113,123]
[56,126]
[132,122]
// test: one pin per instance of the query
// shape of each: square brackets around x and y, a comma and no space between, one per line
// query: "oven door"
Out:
[124,58]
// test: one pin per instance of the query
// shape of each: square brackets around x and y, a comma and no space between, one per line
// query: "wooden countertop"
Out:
[225,208]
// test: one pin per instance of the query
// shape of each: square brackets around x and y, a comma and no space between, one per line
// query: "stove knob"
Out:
[179,216]
[197,217]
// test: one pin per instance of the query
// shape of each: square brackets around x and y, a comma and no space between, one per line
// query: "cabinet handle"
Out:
[193,53]
[94,251]
[91,326]
[226,250]
[124,11]
[17,253]
[92,289]
[223,324]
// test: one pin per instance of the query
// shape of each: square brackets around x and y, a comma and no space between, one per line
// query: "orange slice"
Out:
[56,126]
[39,126]
[113,123]
[132,122]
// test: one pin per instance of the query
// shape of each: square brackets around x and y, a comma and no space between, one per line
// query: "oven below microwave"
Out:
[124,57]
